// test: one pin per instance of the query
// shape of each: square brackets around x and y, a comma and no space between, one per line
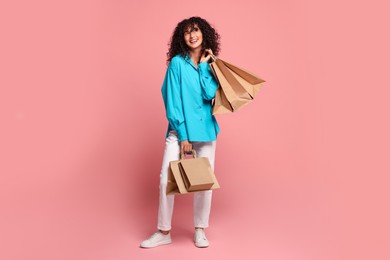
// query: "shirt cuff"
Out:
[204,67]
[182,132]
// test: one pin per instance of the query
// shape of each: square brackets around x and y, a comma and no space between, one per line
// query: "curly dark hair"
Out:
[177,45]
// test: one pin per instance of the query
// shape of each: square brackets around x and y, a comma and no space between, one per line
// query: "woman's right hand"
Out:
[185,146]
[203,58]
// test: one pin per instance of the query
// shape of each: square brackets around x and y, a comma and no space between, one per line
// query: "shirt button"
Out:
[199,107]
[201,119]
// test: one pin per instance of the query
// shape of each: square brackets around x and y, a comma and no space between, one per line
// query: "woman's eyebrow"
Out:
[191,29]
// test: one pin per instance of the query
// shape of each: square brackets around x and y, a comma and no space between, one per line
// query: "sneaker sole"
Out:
[200,246]
[158,244]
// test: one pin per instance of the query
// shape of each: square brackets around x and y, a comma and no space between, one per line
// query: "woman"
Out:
[188,89]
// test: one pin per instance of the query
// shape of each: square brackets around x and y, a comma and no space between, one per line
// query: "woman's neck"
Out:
[195,55]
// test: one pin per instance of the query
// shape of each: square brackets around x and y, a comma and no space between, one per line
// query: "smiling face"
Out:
[193,37]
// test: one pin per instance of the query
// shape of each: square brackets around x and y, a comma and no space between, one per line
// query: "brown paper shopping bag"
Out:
[190,175]
[237,87]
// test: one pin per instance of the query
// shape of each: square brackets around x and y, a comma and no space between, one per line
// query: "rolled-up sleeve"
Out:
[172,99]
[208,82]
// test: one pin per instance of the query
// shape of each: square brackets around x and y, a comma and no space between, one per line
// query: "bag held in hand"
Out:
[190,175]
[237,87]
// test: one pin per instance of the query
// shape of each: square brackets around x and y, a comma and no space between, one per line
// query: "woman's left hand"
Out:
[204,58]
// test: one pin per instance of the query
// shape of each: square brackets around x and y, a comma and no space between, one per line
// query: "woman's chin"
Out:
[193,48]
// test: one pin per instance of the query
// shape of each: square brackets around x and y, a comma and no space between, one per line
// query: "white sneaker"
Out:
[200,238]
[157,239]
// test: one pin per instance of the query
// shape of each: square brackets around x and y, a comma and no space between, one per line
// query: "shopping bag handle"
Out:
[193,152]
[213,57]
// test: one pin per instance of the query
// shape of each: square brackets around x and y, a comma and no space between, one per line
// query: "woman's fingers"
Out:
[185,147]
[188,148]
[205,59]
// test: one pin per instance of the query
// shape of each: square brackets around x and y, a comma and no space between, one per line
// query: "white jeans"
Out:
[202,199]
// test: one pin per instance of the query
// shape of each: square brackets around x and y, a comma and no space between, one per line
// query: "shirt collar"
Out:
[189,60]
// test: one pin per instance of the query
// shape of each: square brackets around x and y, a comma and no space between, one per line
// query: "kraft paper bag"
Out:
[237,87]
[190,175]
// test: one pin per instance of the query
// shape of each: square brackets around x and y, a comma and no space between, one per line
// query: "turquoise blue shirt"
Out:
[187,92]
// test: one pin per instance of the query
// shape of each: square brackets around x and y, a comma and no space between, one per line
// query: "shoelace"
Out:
[154,235]
[202,234]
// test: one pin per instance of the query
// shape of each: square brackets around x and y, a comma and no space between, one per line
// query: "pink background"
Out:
[304,169]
